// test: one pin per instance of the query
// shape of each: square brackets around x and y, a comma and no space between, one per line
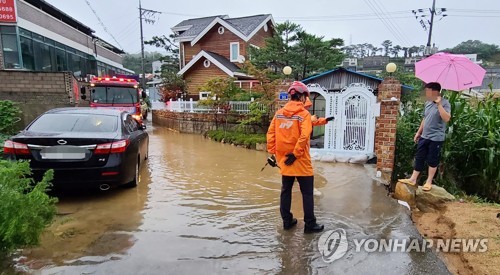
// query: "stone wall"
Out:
[37,92]
[201,123]
[385,134]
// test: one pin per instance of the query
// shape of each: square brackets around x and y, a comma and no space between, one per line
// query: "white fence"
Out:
[191,106]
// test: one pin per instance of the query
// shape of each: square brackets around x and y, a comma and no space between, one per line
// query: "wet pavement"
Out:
[205,208]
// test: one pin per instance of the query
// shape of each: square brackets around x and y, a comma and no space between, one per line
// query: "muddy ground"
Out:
[465,220]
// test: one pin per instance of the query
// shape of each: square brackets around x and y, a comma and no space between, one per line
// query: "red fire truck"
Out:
[115,93]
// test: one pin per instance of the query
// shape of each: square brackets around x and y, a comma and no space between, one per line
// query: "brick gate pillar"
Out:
[389,95]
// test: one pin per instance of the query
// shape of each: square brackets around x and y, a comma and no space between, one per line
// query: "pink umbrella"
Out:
[454,72]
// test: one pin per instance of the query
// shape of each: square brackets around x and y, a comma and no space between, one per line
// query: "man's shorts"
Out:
[427,151]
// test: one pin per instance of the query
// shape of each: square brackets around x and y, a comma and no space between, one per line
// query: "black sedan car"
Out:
[85,147]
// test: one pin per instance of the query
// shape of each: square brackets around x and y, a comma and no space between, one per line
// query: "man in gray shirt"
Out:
[431,134]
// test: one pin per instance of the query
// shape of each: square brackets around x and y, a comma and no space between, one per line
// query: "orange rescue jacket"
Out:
[318,121]
[290,132]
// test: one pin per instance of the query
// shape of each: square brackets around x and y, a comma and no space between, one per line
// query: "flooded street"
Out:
[205,208]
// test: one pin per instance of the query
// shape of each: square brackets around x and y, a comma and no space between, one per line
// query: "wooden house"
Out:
[217,46]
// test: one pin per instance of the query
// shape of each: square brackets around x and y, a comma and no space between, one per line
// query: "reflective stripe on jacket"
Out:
[290,132]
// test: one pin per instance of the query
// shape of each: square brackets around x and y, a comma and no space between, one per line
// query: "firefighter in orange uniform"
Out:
[288,138]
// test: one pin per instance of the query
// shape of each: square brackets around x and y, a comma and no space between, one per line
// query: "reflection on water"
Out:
[205,207]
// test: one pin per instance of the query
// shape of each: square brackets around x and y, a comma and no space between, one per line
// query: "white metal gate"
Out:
[354,109]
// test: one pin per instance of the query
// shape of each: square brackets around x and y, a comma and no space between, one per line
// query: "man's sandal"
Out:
[407,181]
[427,187]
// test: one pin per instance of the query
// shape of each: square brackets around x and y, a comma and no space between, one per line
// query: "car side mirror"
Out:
[142,127]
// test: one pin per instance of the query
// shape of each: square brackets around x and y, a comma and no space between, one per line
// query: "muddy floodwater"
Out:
[205,208]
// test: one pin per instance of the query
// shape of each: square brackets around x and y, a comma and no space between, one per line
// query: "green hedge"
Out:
[237,138]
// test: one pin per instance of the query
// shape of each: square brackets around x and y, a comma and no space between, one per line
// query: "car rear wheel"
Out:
[135,181]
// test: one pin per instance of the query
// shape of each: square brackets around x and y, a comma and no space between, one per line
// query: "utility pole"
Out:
[431,23]
[145,14]
[143,78]
[428,25]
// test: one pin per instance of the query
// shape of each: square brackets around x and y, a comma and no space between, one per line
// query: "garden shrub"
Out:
[25,208]
[237,137]
[9,117]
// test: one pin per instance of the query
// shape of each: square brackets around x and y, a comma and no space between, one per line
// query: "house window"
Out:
[206,63]
[204,95]
[235,51]
[221,30]
[265,27]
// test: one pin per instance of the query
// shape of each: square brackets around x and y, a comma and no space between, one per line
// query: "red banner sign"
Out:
[8,11]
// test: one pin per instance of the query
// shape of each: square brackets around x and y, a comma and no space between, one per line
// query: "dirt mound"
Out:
[465,221]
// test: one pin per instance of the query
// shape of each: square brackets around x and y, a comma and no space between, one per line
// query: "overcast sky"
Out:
[354,21]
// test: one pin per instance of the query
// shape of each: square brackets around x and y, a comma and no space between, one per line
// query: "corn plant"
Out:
[471,154]
[470,160]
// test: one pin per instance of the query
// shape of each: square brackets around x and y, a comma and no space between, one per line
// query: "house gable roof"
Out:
[218,60]
[194,30]
[309,79]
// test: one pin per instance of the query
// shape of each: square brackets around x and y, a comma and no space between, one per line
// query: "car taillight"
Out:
[112,148]
[15,148]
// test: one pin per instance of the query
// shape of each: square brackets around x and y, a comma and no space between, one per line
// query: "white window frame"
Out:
[204,95]
[231,51]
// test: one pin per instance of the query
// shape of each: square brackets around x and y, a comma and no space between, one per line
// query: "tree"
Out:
[387,44]
[370,49]
[405,49]
[278,52]
[484,51]
[412,51]
[314,54]
[173,86]
[349,51]
[222,90]
[376,50]
[171,59]
[421,50]
[133,61]
[396,50]
[305,53]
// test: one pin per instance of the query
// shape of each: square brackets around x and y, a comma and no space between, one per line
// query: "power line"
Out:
[387,25]
[396,27]
[474,11]
[102,24]
[340,15]
[338,19]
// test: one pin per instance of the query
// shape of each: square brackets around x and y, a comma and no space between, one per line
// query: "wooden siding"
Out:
[259,39]
[190,51]
[198,76]
[220,43]
[340,79]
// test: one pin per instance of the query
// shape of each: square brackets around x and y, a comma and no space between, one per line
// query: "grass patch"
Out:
[237,138]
